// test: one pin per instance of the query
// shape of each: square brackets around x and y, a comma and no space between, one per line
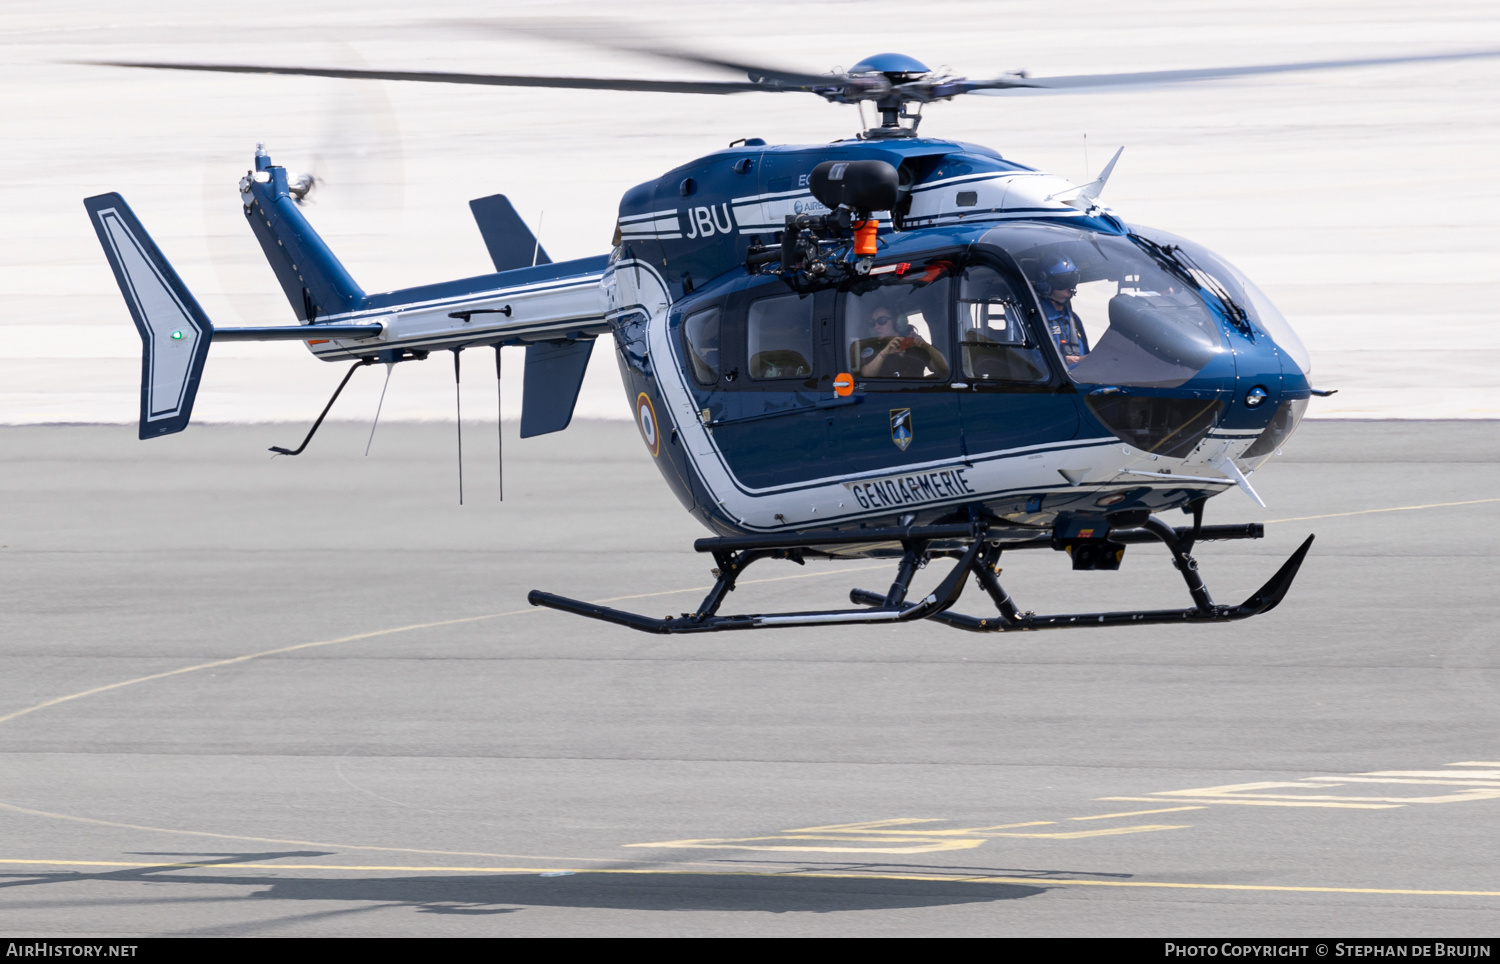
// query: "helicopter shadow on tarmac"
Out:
[488,894]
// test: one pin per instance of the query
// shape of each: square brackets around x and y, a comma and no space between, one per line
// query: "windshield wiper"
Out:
[1173,258]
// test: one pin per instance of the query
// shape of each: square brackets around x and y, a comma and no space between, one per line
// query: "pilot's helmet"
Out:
[1059,274]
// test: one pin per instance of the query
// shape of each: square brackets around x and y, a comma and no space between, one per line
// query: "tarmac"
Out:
[296,697]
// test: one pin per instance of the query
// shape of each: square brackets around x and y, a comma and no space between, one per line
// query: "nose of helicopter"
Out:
[1272,376]
[1176,352]
[1245,394]
[1262,405]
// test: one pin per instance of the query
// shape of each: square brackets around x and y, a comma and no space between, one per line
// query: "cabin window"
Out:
[780,332]
[898,328]
[700,335]
[993,340]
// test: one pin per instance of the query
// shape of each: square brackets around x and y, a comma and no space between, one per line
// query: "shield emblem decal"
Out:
[901,427]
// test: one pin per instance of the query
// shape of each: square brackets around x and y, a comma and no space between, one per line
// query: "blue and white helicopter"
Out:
[887,346]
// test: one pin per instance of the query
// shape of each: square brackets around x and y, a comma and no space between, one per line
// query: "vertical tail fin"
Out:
[175,333]
[314,281]
[510,242]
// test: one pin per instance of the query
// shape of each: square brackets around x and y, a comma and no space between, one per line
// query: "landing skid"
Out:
[976,550]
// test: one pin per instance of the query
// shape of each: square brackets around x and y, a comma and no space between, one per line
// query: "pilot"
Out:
[1057,285]
[892,352]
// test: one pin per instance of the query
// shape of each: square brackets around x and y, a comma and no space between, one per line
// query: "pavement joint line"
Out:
[381,632]
[486,616]
[1397,508]
[822,875]
[516,612]
[329,642]
[282,840]
[1135,813]
[1247,801]
[313,843]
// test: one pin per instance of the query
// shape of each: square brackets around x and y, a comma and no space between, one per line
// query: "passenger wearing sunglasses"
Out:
[897,350]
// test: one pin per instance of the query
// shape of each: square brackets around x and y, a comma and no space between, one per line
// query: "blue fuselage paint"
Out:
[776,441]
[766,443]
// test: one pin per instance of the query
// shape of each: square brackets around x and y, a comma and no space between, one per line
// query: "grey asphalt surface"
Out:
[436,748]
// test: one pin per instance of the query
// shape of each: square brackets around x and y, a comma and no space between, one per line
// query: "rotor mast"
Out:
[895,79]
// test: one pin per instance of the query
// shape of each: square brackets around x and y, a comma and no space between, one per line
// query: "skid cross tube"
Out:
[978,554]
[1009,619]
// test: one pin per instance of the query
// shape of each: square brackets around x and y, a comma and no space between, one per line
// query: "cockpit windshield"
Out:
[1115,312]
[1256,307]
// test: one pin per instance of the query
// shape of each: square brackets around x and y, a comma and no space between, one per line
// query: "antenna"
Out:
[458,400]
[500,423]
[1085,157]
[389,367]
[540,218]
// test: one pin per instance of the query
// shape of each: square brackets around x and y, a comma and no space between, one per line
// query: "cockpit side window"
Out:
[993,340]
[898,329]
[780,334]
[700,336]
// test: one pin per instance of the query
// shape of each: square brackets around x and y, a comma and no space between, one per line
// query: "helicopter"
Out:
[889,346]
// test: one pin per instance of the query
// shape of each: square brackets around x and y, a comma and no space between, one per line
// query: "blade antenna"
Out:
[500,422]
[389,367]
[540,218]
[458,401]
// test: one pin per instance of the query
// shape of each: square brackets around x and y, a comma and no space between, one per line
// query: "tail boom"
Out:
[555,309]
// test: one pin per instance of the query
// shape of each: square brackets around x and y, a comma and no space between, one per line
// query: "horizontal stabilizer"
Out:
[511,243]
[175,333]
[554,375]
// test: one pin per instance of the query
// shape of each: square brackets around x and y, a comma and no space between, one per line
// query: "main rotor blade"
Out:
[1148,77]
[756,72]
[490,80]
[616,35]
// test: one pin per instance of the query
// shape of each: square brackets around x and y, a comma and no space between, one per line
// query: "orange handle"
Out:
[864,237]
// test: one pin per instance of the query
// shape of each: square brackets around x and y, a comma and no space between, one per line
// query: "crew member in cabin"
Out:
[1057,285]
[896,350]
